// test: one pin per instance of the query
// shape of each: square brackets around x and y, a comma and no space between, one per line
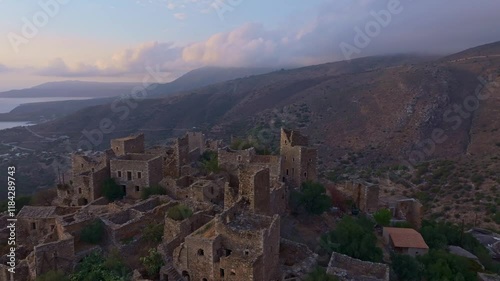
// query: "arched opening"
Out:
[201,252]
[186,276]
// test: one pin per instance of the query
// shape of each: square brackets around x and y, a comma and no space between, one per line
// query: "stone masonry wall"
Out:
[57,255]
[350,269]
[132,144]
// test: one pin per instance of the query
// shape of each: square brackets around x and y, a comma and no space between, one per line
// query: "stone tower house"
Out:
[299,161]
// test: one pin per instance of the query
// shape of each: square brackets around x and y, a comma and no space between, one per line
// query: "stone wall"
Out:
[85,162]
[196,140]
[299,162]
[297,260]
[255,187]
[365,195]
[410,210]
[231,159]
[59,255]
[279,199]
[350,269]
[137,171]
[132,144]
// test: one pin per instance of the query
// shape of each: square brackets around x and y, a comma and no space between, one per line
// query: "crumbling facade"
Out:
[299,160]
[346,268]
[231,230]
[237,245]
[364,194]
[89,172]
[134,172]
[131,144]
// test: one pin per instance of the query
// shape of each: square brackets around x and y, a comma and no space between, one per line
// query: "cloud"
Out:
[130,61]
[422,26]
[180,16]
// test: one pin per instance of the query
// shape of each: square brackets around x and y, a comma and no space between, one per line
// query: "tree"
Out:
[441,265]
[407,267]
[112,191]
[153,232]
[96,267]
[210,162]
[93,232]
[179,212]
[154,190]
[383,217]
[152,262]
[319,274]
[353,237]
[312,198]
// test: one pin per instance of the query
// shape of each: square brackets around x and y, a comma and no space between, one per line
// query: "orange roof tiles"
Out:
[406,238]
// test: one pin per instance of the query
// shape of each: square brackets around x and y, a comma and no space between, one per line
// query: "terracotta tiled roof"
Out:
[406,238]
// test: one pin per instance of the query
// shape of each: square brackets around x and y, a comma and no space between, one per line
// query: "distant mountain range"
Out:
[71,89]
[105,92]
[193,79]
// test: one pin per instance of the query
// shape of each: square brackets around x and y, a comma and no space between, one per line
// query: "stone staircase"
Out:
[169,270]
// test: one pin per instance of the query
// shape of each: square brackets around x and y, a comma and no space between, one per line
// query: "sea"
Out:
[8,104]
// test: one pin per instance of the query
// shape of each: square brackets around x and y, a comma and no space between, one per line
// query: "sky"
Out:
[118,40]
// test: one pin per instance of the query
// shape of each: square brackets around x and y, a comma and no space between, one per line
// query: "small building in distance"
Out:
[405,241]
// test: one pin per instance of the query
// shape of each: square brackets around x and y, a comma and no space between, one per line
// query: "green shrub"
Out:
[383,217]
[210,162]
[112,191]
[153,232]
[407,268]
[179,212]
[153,190]
[353,237]
[312,197]
[95,267]
[93,233]
[152,262]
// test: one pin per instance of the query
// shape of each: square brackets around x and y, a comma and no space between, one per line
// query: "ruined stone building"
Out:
[346,268]
[134,172]
[237,245]
[232,159]
[89,171]
[404,210]
[131,144]
[184,151]
[253,184]
[364,194]
[299,162]
[233,232]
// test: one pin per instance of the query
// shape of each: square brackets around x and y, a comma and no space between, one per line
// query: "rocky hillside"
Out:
[365,114]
